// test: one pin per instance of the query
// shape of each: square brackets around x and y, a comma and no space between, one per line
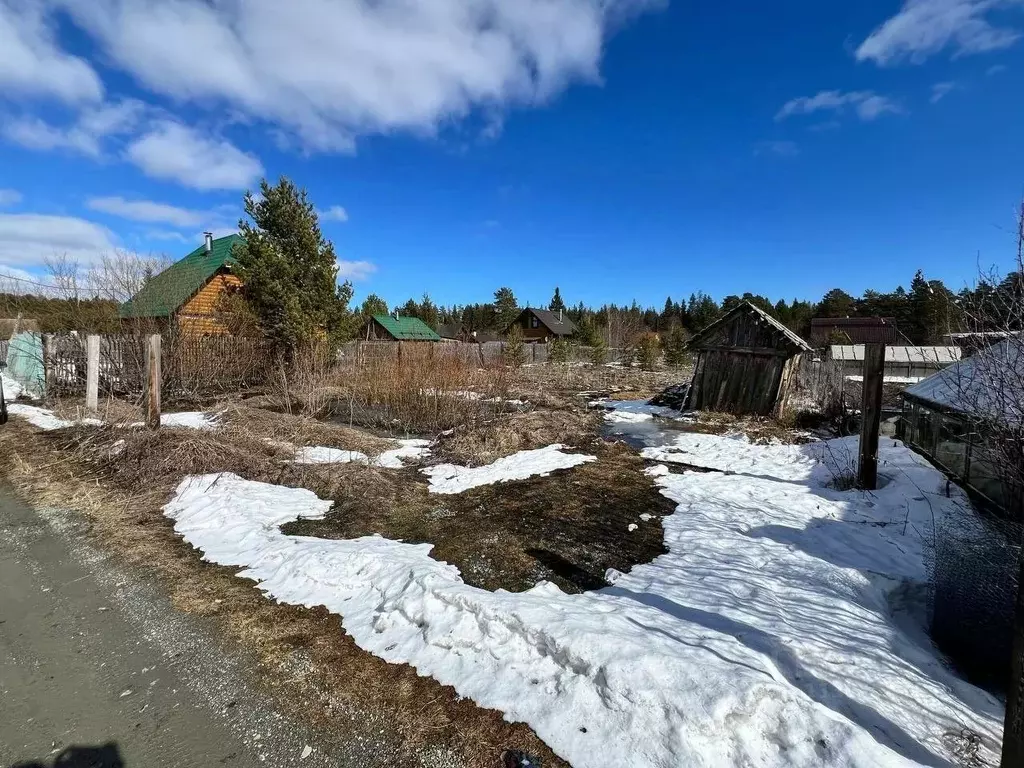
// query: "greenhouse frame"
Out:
[952,420]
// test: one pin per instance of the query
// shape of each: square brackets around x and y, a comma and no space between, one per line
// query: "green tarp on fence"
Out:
[25,362]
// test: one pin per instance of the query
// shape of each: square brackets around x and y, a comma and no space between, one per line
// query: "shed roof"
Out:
[406,328]
[898,354]
[165,293]
[989,384]
[791,338]
[556,322]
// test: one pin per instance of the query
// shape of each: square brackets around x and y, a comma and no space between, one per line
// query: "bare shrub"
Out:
[410,388]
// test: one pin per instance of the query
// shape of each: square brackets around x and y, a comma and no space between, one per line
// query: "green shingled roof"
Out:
[167,292]
[407,328]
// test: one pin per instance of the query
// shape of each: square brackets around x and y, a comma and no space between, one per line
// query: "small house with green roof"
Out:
[388,328]
[189,293]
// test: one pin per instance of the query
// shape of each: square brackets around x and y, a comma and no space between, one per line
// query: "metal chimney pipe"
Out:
[208,245]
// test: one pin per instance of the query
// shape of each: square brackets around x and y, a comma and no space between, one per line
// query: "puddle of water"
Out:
[649,433]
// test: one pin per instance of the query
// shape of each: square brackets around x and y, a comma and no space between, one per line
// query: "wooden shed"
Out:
[188,293]
[746,364]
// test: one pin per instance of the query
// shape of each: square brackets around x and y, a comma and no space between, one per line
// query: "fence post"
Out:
[871,415]
[153,381]
[92,374]
[47,350]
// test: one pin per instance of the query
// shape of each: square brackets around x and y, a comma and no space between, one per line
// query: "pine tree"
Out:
[373,305]
[676,353]
[290,271]
[506,308]
[557,305]
[514,351]
[428,312]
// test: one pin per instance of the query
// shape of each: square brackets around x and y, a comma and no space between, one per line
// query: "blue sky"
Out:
[621,149]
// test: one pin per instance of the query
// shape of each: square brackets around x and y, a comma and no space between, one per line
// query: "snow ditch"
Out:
[764,637]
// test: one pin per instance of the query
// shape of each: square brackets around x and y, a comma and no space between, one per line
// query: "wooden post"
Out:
[92,374]
[153,382]
[871,415]
[47,350]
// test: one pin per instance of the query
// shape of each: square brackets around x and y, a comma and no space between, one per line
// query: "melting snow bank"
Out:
[451,479]
[12,389]
[37,417]
[391,459]
[46,420]
[764,637]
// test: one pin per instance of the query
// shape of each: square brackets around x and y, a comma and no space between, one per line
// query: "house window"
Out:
[534,322]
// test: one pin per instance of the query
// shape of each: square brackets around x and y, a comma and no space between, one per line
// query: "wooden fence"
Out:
[191,366]
[483,354]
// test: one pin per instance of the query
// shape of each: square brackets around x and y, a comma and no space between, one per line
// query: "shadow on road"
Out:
[104,756]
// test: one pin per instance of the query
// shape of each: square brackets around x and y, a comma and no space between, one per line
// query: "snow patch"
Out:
[12,389]
[450,478]
[38,417]
[394,458]
[764,637]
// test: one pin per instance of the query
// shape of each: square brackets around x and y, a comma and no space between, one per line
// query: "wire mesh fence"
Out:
[974,573]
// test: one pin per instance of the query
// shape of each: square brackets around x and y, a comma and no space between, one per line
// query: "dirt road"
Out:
[91,655]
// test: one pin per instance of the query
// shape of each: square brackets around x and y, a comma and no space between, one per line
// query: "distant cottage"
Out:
[542,325]
[747,362]
[388,328]
[188,293]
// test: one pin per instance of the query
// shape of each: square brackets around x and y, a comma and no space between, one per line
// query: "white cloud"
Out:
[149,211]
[334,213]
[165,234]
[28,239]
[995,69]
[868,105]
[355,270]
[327,72]
[941,90]
[84,136]
[9,197]
[176,152]
[14,280]
[923,28]
[780,148]
[31,62]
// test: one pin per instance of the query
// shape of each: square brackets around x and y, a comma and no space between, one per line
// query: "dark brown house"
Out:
[542,325]
[746,364]
[853,330]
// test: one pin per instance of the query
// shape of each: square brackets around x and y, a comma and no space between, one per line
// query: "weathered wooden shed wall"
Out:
[746,364]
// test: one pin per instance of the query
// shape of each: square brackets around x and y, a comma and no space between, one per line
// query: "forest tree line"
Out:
[923,314]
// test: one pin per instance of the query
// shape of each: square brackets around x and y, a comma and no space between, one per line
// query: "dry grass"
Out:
[112,410]
[544,381]
[482,443]
[314,670]
[758,429]
[298,430]
[568,528]
[419,392]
